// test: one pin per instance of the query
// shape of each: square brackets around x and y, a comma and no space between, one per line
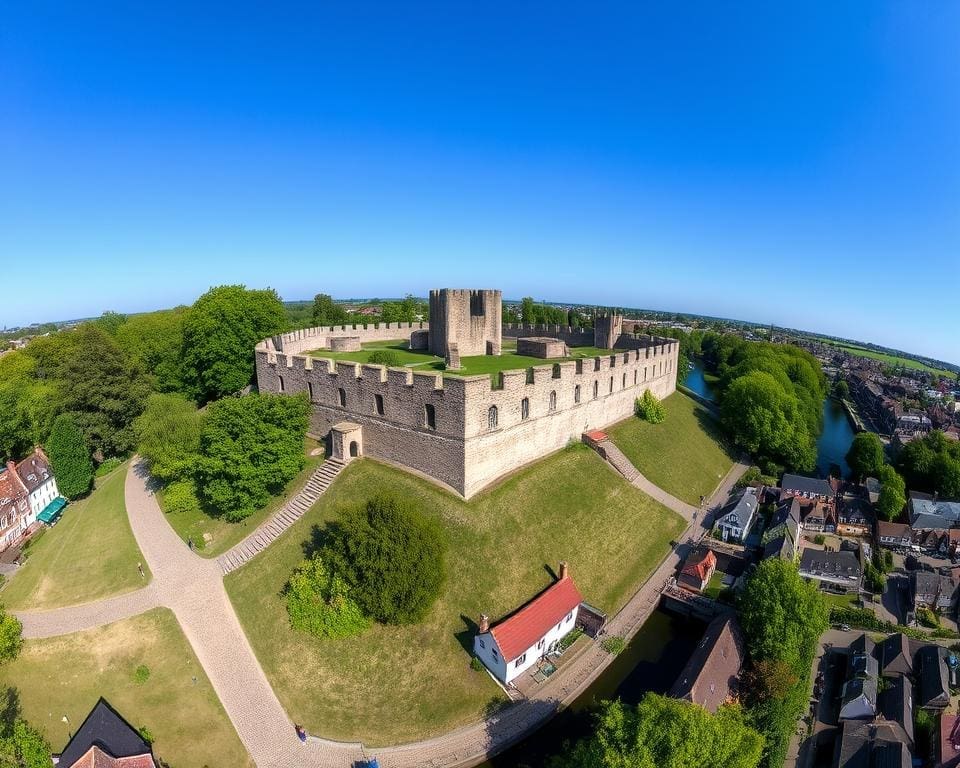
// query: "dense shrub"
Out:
[250,448]
[319,602]
[11,636]
[180,498]
[385,357]
[649,408]
[106,467]
[168,436]
[392,556]
[666,733]
[141,674]
[70,457]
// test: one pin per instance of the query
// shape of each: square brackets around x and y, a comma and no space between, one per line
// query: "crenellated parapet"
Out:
[307,339]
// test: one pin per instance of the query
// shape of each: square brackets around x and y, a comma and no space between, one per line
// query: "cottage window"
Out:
[520,660]
[480,641]
[493,417]
[342,395]
[429,416]
[493,652]
[569,615]
[378,402]
[525,408]
[540,643]
[553,401]
[576,394]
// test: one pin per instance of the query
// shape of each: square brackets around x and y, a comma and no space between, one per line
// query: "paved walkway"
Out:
[192,587]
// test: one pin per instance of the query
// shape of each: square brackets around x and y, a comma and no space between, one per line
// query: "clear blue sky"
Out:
[790,164]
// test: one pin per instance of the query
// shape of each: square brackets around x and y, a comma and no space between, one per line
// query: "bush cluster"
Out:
[385,357]
[319,602]
[649,408]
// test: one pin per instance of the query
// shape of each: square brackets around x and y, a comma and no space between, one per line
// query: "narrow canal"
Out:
[651,662]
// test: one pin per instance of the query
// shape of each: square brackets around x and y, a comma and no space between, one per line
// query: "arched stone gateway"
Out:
[346,441]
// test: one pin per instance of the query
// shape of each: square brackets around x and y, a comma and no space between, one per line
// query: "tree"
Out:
[841,389]
[103,391]
[666,733]
[392,556]
[649,408]
[27,405]
[865,456]
[23,746]
[153,341]
[250,448]
[932,464]
[893,493]
[327,312]
[11,638]
[319,602]
[70,457]
[168,436]
[111,322]
[220,332]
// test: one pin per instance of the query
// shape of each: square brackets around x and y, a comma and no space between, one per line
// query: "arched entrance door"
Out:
[354,449]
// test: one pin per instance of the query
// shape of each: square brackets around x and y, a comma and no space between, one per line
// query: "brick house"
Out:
[697,570]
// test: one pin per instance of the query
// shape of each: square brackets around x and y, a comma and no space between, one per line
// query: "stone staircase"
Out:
[616,458]
[282,519]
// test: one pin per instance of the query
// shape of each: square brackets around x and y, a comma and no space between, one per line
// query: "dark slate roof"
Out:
[862,646]
[857,687]
[104,728]
[878,744]
[895,655]
[834,564]
[933,677]
[711,673]
[811,485]
[896,704]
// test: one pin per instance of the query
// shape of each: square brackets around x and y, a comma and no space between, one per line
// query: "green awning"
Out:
[52,511]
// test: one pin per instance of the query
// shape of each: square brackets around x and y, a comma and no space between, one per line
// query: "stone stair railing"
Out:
[286,516]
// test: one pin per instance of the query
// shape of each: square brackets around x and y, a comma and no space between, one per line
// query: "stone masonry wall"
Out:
[471,319]
[307,339]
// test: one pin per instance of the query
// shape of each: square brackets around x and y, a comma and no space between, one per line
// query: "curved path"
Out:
[192,587]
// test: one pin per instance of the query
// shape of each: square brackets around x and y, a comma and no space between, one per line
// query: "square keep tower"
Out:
[469,319]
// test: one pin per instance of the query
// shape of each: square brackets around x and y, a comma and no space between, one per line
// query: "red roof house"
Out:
[519,641]
[697,570]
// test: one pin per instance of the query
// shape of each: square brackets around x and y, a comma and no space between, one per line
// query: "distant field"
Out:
[424,361]
[859,351]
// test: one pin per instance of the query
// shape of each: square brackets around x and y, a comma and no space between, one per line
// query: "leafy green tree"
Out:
[649,408]
[153,342]
[931,464]
[27,405]
[180,498]
[168,436]
[527,312]
[841,389]
[403,311]
[893,493]
[11,639]
[69,457]
[865,456]
[666,733]
[103,391]
[327,312]
[22,745]
[220,332]
[111,322]
[319,602]
[392,556]
[250,448]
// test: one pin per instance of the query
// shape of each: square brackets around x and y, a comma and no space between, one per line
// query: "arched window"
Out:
[310,390]
[525,408]
[634,376]
[280,379]
[493,417]
[624,380]
[553,401]
[378,402]
[429,416]
[576,394]
[342,394]
[611,383]
[596,389]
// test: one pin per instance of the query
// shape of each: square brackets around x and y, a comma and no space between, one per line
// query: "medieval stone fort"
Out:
[466,431]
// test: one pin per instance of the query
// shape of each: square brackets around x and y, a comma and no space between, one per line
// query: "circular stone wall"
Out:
[345,344]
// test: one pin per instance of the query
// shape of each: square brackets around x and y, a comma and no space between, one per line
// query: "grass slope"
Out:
[685,455]
[885,357]
[66,675]
[471,366]
[90,553]
[224,534]
[397,684]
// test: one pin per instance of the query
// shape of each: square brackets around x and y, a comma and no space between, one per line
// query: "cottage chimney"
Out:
[484,625]
[564,570]
[12,466]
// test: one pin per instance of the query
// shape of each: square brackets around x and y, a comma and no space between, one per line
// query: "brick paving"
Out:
[192,587]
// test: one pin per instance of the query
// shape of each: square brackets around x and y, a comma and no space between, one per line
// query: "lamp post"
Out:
[66,720]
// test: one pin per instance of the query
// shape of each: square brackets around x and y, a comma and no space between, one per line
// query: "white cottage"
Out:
[38,481]
[520,641]
[734,525]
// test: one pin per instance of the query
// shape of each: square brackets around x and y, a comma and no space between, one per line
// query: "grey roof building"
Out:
[879,744]
[840,569]
[735,524]
[811,487]
[924,511]
[934,693]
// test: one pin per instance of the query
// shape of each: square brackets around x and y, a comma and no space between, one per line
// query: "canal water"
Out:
[834,441]
[651,662]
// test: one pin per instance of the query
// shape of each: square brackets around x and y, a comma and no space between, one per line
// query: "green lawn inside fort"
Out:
[213,536]
[397,684]
[885,357]
[64,676]
[685,455]
[89,554]
[509,360]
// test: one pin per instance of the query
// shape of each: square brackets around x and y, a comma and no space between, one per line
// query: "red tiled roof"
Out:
[11,491]
[522,630]
[700,568]
[97,758]
[596,435]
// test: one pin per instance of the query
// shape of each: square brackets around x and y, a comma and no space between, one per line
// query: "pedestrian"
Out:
[140,568]
[190,543]
[301,733]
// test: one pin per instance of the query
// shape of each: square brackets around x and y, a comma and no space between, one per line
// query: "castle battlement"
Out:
[466,432]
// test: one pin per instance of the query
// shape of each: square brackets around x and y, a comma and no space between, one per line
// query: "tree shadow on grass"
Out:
[465,636]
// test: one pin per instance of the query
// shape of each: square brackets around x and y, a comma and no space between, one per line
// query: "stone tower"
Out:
[469,321]
[607,328]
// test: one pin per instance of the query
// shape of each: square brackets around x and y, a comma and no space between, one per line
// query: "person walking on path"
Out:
[190,543]
[140,568]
